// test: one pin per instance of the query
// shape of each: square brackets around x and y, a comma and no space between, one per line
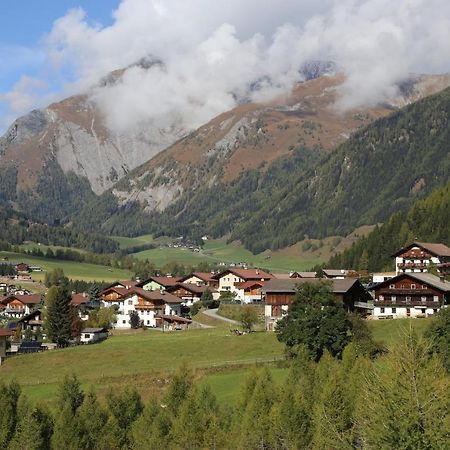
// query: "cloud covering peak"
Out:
[215,53]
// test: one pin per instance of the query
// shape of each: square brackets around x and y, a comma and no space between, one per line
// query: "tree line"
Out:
[426,221]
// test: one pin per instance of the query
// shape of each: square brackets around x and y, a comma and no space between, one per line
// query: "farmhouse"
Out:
[231,280]
[201,279]
[339,274]
[16,306]
[150,305]
[410,294]
[32,321]
[158,283]
[419,256]
[279,295]
[188,292]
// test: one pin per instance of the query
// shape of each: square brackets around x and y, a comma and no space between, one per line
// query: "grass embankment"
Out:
[72,269]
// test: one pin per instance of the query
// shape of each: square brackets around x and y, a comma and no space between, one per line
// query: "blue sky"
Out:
[24,23]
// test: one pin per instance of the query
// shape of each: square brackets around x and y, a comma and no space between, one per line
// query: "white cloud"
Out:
[214,52]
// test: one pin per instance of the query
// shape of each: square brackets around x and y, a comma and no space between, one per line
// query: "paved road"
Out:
[213,313]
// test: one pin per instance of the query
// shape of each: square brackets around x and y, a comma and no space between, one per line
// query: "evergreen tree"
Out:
[439,336]
[406,402]
[58,315]
[178,389]
[34,429]
[9,397]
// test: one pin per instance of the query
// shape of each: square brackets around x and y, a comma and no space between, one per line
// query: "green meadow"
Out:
[146,359]
[72,269]
[218,250]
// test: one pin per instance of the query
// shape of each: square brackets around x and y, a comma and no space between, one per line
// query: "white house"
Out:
[232,280]
[418,256]
[92,335]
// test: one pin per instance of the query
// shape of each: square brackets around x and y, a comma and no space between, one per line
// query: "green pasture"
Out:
[217,251]
[72,269]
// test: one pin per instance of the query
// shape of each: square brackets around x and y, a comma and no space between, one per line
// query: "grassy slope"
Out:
[72,269]
[146,359]
[139,358]
[217,250]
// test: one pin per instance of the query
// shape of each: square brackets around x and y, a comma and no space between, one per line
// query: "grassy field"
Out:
[146,359]
[217,251]
[72,269]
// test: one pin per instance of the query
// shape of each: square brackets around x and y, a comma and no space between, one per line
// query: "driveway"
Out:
[213,313]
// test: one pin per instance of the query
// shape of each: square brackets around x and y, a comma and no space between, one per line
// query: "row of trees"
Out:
[400,401]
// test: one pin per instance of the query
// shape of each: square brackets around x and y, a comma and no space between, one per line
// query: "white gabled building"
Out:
[410,295]
[151,306]
[418,256]
[244,283]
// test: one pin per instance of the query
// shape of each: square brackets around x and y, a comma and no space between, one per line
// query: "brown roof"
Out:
[433,248]
[165,297]
[286,276]
[189,287]
[205,276]
[423,277]
[340,286]
[246,274]
[249,283]
[120,291]
[163,281]
[78,299]
[26,299]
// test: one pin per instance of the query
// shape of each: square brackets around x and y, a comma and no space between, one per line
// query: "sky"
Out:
[214,54]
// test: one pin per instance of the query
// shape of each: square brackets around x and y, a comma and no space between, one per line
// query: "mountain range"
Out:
[296,163]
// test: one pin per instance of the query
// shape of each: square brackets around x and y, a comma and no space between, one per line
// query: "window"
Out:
[423,298]
[87,336]
[394,310]
[130,302]
[381,297]
[392,286]
[393,298]
[413,286]
[435,298]
[424,286]
[124,321]
[408,298]
[382,310]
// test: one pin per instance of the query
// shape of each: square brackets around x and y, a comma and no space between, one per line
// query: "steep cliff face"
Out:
[73,133]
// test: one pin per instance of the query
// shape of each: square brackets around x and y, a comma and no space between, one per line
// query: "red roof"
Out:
[433,248]
[191,287]
[163,281]
[249,283]
[165,297]
[246,274]
[25,299]
[78,299]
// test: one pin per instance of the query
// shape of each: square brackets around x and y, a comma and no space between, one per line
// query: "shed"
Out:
[92,335]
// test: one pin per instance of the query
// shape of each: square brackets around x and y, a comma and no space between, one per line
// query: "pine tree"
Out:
[406,402]
[9,397]
[178,389]
[34,429]
[58,315]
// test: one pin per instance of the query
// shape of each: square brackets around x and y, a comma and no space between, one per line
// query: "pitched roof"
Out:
[32,299]
[423,277]
[163,281]
[433,248]
[94,330]
[339,286]
[246,274]
[120,291]
[78,299]
[163,296]
[286,276]
[189,287]
[249,283]
[205,276]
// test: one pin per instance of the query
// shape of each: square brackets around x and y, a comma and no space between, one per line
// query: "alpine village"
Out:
[225,226]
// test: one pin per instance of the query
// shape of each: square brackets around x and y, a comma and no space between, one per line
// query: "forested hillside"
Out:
[427,221]
[380,170]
